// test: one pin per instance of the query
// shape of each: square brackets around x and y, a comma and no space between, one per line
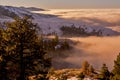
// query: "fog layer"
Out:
[96,50]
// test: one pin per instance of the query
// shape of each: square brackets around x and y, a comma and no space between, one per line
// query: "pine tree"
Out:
[65,45]
[81,76]
[3,70]
[85,66]
[24,53]
[91,69]
[104,73]
[116,70]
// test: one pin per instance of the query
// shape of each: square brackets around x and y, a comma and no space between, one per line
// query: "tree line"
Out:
[79,31]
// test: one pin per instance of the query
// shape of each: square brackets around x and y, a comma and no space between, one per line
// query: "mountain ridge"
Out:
[50,24]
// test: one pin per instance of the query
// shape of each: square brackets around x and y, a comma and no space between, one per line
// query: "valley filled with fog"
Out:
[109,18]
[96,50]
[64,44]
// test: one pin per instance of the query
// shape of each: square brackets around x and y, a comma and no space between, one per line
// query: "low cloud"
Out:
[96,50]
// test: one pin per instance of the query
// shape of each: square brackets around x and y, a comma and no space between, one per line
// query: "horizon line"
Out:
[63,8]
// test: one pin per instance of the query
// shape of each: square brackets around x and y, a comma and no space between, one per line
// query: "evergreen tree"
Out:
[3,70]
[81,76]
[91,69]
[104,73]
[85,66]
[65,45]
[116,70]
[24,53]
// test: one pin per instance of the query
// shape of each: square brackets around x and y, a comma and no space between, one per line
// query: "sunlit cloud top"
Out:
[54,4]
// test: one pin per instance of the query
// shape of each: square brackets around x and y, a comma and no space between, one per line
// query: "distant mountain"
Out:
[12,12]
[34,9]
[8,11]
[4,11]
[50,24]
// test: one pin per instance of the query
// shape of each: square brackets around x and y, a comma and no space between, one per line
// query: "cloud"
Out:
[96,50]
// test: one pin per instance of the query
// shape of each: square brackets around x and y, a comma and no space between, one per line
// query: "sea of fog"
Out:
[93,17]
[96,50]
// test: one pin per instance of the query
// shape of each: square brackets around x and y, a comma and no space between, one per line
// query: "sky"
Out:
[63,4]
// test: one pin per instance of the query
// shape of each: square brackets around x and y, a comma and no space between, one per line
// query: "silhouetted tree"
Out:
[90,69]
[24,53]
[81,76]
[104,73]
[116,70]
[3,70]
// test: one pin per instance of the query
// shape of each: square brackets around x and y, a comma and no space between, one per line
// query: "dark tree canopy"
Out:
[116,70]
[24,54]
[105,74]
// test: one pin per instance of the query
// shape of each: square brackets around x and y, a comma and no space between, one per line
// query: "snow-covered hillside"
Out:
[51,23]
